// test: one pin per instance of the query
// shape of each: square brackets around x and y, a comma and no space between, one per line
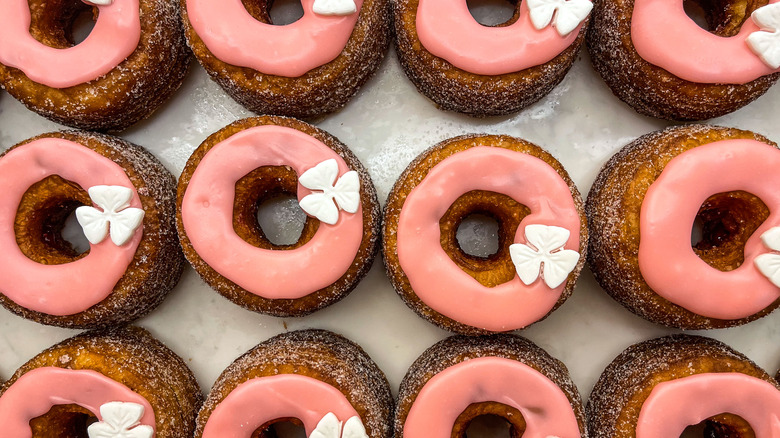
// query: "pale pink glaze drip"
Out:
[676,404]
[459,39]
[235,37]
[115,36]
[666,259]
[264,399]
[666,37]
[545,408]
[437,280]
[72,287]
[207,216]
[38,390]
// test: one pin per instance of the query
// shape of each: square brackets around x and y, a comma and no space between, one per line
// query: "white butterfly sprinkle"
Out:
[334,7]
[330,427]
[769,264]
[766,42]
[345,192]
[120,420]
[545,255]
[568,14]
[98,2]
[117,216]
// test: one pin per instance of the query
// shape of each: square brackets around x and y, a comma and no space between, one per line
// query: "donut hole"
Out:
[497,267]
[61,23]
[727,220]
[284,225]
[276,12]
[721,17]
[489,419]
[477,235]
[45,225]
[492,13]
[63,421]
[720,426]
[281,428]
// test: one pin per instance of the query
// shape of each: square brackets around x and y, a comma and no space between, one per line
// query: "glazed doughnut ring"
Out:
[131,62]
[268,157]
[105,378]
[122,276]
[647,199]
[660,62]
[657,388]
[541,221]
[304,69]
[462,378]
[312,378]
[482,71]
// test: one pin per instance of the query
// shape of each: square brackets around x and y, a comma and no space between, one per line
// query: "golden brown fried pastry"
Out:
[305,69]
[104,382]
[649,197]
[253,160]
[132,61]
[542,234]
[311,378]
[662,386]
[123,199]
[461,379]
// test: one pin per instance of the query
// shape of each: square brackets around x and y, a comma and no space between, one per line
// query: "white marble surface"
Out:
[386,125]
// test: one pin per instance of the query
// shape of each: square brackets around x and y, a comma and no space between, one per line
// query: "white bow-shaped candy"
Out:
[334,7]
[345,192]
[98,2]
[546,248]
[769,264]
[116,215]
[331,427]
[120,420]
[766,42]
[568,14]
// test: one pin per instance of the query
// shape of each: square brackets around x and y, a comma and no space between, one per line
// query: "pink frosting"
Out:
[207,216]
[666,259]
[68,288]
[666,37]
[545,408]
[115,36]
[676,404]
[37,391]
[458,38]
[264,399]
[235,37]
[437,280]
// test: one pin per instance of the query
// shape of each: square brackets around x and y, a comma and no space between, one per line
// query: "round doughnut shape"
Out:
[44,180]
[540,217]
[268,157]
[110,378]
[132,61]
[652,193]
[478,70]
[661,63]
[462,378]
[305,69]
[312,378]
[657,388]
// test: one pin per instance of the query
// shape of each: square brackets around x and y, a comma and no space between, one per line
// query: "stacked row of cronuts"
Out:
[120,381]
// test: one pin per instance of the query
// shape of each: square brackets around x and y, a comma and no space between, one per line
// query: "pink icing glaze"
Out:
[667,261]
[235,37]
[676,404]
[666,37]
[437,280]
[115,36]
[37,391]
[544,406]
[264,399]
[72,287]
[207,216]
[459,39]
